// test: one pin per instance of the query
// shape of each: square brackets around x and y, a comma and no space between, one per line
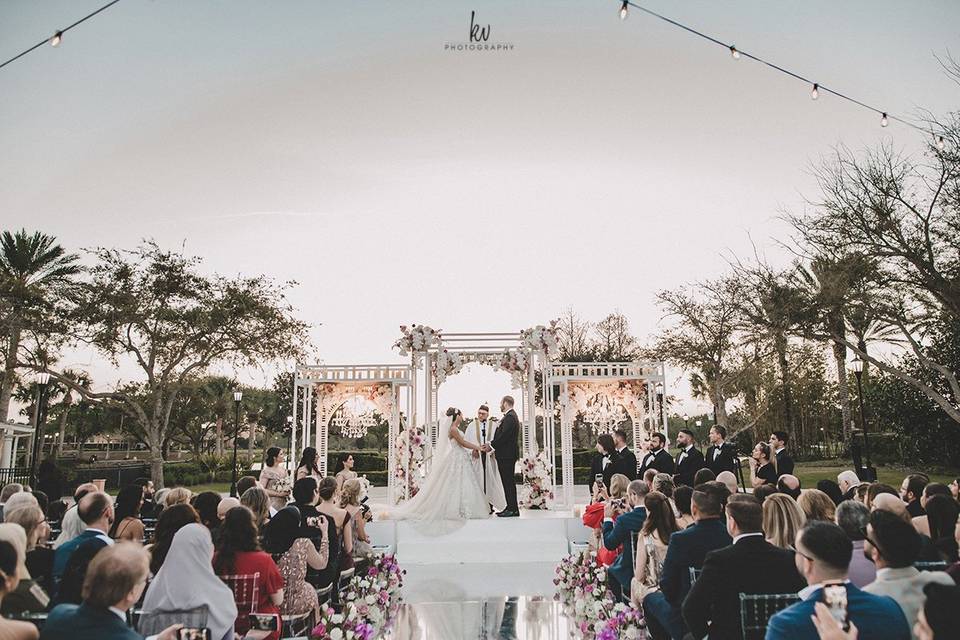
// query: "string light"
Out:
[734,53]
[623,10]
[56,39]
[816,91]
[883,120]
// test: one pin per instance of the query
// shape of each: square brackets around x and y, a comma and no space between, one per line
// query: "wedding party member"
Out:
[307,467]
[187,581]
[480,431]
[626,461]
[28,595]
[816,505]
[39,557]
[293,553]
[238,553]
[853,517]
[273,476]
[750,565]
[257,500]
[168,524]
[9,580]
[778,442]
[127,524]
[506,452]
[657,456]
[602,463]
[822,558]
[150,509]
[720,454]
[343,523]
[344,469]
[782,519]
[619,535]
[350,501]
[114,583]
[763,469]
[689,459]
[593,515]
[655,534]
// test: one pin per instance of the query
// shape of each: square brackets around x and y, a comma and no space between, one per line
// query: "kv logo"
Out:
[478,34]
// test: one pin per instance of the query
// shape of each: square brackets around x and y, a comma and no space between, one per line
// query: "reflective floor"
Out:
[506,618]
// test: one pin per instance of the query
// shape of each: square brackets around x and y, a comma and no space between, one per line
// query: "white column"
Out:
[293,429]
[663,376]
[566,447]
[529,431]
[429,432]
[392,444]
[6,457]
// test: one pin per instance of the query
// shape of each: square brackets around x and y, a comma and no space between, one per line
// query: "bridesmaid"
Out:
[273,471]
[344,469]
[763,466]
[308,465]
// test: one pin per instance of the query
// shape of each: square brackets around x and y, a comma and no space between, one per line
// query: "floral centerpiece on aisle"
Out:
[537,490]
[369,604]
[416,339]
[408,451]
[444,364]
[582,589]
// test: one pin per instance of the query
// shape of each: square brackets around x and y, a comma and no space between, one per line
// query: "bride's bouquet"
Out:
[283,485]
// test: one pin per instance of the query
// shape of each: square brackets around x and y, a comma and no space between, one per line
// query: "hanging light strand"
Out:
[737,53]
[57,36]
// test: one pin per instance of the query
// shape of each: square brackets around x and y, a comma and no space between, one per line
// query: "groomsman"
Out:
[602,463]
[778,442]
[625,461]
[657,456]
[720,455]
[689,460]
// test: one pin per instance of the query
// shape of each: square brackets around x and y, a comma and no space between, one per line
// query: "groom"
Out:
[505,450]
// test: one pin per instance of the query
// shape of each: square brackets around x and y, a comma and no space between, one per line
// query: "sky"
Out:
[339,145]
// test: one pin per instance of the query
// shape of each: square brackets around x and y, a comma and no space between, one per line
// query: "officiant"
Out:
[480,430]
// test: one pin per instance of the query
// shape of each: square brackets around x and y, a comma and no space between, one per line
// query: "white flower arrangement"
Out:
[408,450]
[369,604]
[515,363]
[582,589]
[444,364]
[537,490]
[417,339]
[542,339]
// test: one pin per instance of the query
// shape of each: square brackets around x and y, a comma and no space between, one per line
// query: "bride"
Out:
[452,491]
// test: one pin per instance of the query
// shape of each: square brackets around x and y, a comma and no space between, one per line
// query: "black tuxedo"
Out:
[724,461]
[784,464]
[751,566]
[596,467]
[626,463]
[661,461]
[506,451]
[688,465]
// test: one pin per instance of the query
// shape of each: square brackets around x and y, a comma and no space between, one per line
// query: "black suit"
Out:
[688,465]
[597,468]
[661,461]
[784,464]
[506,451]
[626,463]
[724,460]
[751,566]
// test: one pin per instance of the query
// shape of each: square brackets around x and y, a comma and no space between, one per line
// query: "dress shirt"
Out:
[747,535]
[809,590]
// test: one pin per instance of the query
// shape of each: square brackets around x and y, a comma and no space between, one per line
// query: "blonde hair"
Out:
[17,537]
[618,485]
[782,519]
[257,500]
[177,495]
[817,505]
[350,493]
[29,517]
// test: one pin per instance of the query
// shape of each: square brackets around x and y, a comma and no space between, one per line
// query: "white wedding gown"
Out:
[451,491]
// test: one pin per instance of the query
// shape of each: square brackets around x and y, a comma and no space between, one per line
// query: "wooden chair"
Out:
[756,611]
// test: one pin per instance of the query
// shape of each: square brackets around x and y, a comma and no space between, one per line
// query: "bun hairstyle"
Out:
[453,412]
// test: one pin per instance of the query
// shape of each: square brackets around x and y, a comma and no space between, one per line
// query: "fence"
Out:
[14,474]
[117,474]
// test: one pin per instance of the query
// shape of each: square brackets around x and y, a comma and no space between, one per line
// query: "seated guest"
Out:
[933,490]
[687,549]
[618,535]
[910,490]
[782,519]
[39,557]
[762,492]
[258,501]
[848,481]
[822,558]
[682,496]
[127,524]
[703,476]
[875,489]
[224,506]
[939,618]
[817,505]
[177,495]
[955,488]
[238,553]
[861,492]
[28,596]
[893,504]
[6,493]
[293,553]
[789,485]
[205,504]
[729,481]
[319,528]
[245,483]
[96,511]
[648,477]
[663,483]
[9,580]
[940,525]
[350,500]
[341,520]
[71,525]
[832,490]
[20,499]
[602,463]
[659,525]
[168,524]
[689,459]
[113,584]
[750,565]
[763,469]
[894,546]
[187,581]
[852,517]
[593,515]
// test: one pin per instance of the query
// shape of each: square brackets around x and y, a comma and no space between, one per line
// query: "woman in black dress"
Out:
[763,466]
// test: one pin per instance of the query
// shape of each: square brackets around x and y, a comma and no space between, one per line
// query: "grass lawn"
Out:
[810,472]
[218,487]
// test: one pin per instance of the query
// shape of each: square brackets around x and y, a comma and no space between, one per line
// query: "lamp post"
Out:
[686,420]
[43,379]
[870,472]
[292,458]
[660,401]
[237,397]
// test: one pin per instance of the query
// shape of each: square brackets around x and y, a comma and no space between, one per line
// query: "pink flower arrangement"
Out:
[582,588]
[370,602]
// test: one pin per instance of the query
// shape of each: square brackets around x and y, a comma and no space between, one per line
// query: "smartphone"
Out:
[193,633]
[264,622]
[835,597]
[314,522]
[598,478]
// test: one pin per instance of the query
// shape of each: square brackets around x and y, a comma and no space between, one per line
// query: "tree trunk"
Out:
[720,406]
[9,370]
[63,431]
[840,357]
[251,436]
[781,347]
[219,436]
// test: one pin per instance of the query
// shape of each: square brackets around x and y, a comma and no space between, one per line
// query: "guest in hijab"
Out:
[292,553]
[187,581]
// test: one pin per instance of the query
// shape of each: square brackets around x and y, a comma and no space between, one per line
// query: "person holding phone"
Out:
[602,467]
[593,514]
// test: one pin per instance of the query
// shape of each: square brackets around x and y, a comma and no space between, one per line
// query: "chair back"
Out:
[297,626]
[694,575]
[757,609]
[245,591]
[634,538]
[931,566]
[153,622]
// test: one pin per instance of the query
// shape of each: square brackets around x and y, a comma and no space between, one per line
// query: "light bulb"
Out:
[734,52]
[816,92]
[623,10]
[883,120]
[941,143]
[56,39]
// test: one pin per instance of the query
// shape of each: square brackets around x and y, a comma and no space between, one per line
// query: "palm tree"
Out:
[34,269]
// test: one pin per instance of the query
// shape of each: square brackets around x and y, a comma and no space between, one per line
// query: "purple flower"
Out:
[607,634]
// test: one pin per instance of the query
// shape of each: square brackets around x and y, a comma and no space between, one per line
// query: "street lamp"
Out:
[686,420]
[293,457]
[237,397]
[660,400]
[40,415]
[870,472]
